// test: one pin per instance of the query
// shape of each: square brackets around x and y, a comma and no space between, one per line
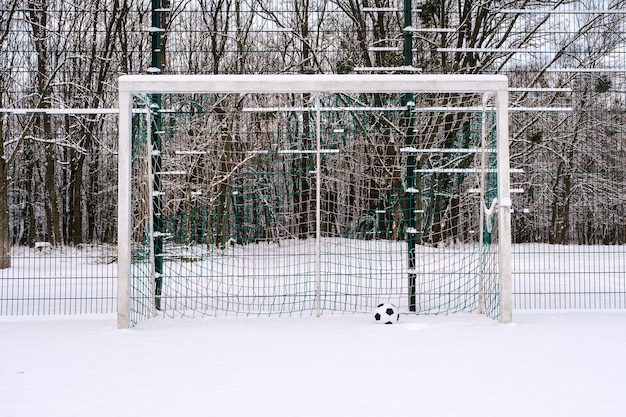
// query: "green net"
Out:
[259,204]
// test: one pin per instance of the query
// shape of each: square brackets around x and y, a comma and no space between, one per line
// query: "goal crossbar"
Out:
[494,86]
[309,83]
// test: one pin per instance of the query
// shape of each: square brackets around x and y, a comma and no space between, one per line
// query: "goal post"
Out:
[294,194]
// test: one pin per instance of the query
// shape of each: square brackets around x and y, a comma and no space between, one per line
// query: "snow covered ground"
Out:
[552,363]
[546,363]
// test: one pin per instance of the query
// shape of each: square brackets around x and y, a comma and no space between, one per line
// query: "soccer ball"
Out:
[386,313]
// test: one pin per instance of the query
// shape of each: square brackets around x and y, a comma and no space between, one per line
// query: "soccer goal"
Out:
[313,194]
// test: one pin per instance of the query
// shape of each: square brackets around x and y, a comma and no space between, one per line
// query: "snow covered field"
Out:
[552,363]
[556,363]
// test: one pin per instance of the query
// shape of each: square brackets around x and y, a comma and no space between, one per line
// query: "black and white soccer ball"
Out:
[386,313]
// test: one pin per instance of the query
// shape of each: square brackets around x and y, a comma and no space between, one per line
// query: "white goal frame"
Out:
[488,85]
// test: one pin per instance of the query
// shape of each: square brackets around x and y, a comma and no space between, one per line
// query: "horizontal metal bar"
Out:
[380,9]
[494,50]
[384,49]
[172,173]
[540,90]
[405,68]
[292,151]
[410,149]
[429,30]
[192,152]
[463,170]
[312,83]
[560,11]
[586,70]
[60,111]
[322,109]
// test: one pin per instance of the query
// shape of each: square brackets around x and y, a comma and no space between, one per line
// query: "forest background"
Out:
[565,61]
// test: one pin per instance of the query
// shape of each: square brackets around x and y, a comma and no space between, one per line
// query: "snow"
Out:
[552,363]
[545,363]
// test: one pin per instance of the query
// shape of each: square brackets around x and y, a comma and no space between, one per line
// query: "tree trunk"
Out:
[5,232]
[38,14]
[52,209]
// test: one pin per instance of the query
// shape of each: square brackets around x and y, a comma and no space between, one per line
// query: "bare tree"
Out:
[6,18]
[556,149]
[104,33]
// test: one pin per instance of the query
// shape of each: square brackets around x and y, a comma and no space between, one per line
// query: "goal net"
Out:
[308,194]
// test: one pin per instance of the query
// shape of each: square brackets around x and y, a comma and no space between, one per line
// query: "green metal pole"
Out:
[157,201]
[408,35]
[411,230]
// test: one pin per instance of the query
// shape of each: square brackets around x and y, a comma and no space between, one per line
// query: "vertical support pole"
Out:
[482,185]
[410,195]
[504,207]
[485,148]
[155,33]
[318,205]
[411,229]
[408,35]
[150,180]
[157,203]
[124,210]
[482,179]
